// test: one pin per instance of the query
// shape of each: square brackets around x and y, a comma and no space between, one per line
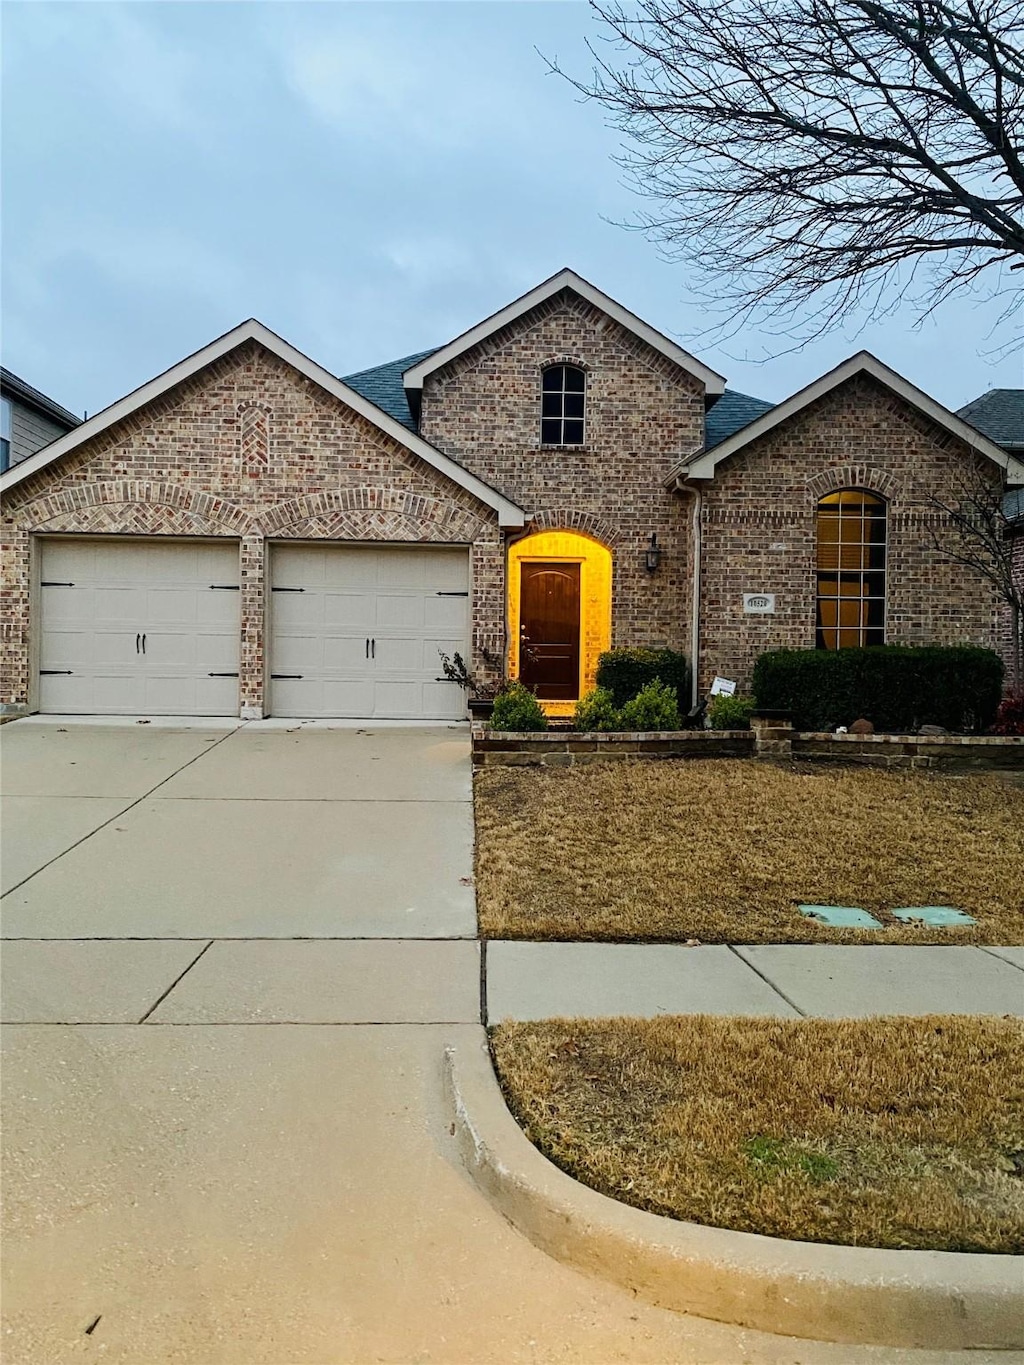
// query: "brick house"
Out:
[248,534]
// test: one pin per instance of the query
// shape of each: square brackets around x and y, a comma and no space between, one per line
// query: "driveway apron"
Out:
[233,958]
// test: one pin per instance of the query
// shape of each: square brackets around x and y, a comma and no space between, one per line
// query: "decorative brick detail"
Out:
[571,519]
[175,468]
[869,477]
[254,436]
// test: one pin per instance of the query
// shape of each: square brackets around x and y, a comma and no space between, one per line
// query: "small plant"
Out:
[597,711]
[516,708]
[455,670]
[730,713]
[654,708]
[625,672]
[1010,716]
[775,1156]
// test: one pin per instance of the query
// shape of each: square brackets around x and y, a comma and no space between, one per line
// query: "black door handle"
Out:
[137,640]
[367,646]
[143,644]
[373,649]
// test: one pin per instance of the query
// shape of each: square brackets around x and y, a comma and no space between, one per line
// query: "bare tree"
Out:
[824,150]
[973,529]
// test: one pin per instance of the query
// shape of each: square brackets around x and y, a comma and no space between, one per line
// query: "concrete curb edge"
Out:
[860,1295]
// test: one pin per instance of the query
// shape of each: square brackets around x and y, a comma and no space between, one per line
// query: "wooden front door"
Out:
[549,630]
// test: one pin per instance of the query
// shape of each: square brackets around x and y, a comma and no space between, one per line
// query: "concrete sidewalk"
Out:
[593,980]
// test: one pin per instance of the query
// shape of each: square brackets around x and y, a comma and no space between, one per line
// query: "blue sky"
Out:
[367,179]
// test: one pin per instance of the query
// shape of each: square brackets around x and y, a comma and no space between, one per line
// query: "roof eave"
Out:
[414,377]
[703,465]
[508,513]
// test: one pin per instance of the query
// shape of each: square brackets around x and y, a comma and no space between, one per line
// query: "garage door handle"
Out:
[50,584]
[143,644]
[373,649]
[285,677]
[367,646]
[55,672]
[287,589]
[452,594]
[222,675]
[138,644]
[225,587]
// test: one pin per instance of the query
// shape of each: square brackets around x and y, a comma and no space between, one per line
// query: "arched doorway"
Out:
[559,613]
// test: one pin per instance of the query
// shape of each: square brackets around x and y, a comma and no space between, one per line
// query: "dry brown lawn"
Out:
[723,851]
[876,1132]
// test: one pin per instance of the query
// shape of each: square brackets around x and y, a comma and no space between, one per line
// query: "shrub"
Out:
[626,672]
[897,687]
[653,708]
[730,713]
[1010,716]
[597,711]
[516,708]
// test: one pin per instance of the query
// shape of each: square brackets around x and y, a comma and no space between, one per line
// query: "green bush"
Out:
[597,711]
[516,708]
[653,708]
[897,687]
[731,713]
[626,672]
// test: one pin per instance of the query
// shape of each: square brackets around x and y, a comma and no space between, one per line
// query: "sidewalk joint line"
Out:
[171,987]
[131,806]
[990,949]
[770,984]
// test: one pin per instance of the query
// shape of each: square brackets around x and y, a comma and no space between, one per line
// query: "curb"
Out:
[862,1295]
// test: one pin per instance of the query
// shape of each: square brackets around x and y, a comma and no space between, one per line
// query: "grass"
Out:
[723,851]
[905,1133]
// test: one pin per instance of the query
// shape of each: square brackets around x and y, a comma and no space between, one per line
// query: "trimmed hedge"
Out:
[626,672]
[897,687]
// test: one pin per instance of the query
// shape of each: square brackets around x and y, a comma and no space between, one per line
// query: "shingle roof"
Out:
[20,389]
[999,415]
[383,385]
[1013,505]
[733,411]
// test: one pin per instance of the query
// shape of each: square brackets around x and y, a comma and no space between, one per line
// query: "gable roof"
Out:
[998,414]
[701,465]
[508,513]
[565,279]
[13,387]
[383,386]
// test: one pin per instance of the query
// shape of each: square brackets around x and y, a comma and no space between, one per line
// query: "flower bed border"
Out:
[769,737]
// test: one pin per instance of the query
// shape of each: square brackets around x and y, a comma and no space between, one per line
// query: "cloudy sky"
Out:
[368,179]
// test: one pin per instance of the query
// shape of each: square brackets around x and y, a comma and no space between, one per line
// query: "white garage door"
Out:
[139,628]
[357,632]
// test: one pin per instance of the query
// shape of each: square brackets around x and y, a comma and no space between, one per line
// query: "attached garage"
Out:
[138,627]
[358,630]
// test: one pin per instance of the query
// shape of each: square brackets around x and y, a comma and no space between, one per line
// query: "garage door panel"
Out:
[126,591]
[353,594]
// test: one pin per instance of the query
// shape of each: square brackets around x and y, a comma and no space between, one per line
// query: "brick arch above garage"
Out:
[134,507]
[376,512]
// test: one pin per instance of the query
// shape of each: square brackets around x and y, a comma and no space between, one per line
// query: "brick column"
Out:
[773,734]
[253,650]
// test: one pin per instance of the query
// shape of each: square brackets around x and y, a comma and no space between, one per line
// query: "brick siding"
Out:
[643,414]
[249,450]
[759,529]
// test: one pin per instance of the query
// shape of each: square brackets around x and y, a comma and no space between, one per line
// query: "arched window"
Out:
[851,570]
[562,406]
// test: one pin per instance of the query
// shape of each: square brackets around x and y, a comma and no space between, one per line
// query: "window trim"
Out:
[6,428]
[868,498]
[564,366]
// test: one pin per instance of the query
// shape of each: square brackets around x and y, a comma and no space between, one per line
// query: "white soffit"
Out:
[508,513]
[702,466]
[565,279]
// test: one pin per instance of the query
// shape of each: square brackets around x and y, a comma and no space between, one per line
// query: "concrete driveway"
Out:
[234,957]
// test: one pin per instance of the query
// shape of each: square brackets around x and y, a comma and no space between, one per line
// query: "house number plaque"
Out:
[758,603]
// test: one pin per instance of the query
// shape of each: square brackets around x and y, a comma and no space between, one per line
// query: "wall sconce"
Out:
[652,555]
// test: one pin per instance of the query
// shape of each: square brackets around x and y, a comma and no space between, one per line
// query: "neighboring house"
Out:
[247,533]
[28,420]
